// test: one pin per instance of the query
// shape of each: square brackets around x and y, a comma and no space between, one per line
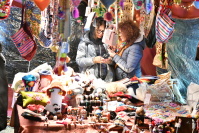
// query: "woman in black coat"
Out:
[3,92]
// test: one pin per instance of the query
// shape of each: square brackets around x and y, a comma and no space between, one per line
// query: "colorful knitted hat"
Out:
[138,4]
[56,84]
[29,81]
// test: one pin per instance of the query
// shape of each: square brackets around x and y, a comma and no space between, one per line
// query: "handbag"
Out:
[164,23]
[110,36]
[24,41]
[46,42]
[161,59]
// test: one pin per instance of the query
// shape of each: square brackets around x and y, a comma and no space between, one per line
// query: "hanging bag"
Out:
[24,41]
[164,23]
[161,58]
[110,36]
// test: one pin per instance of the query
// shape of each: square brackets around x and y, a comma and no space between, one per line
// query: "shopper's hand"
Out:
[111,53]
[98,59]
[107,61]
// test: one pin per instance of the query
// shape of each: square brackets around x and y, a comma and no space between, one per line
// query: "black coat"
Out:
[3,95]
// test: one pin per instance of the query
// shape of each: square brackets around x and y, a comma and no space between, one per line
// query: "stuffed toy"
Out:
[29,81]
[55,91]
[114,87]
[45,78]
[19,86]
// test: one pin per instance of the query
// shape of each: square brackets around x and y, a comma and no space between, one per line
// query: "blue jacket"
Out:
[129,62]
[84,58]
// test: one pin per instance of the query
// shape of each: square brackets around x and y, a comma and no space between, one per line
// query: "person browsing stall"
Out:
[92,54]
[130,53]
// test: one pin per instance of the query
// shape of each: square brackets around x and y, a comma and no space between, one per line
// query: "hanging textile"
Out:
[182,51]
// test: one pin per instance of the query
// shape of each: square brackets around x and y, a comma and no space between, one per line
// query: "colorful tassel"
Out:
[108,16]
[75,13]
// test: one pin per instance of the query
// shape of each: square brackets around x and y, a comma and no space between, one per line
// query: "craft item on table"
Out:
[17,83]
[139,116]
[164,112]
[36,108]
[185,125]
[79,98]
[140,92]
[45,79]
[192,94]
[19,86]
[34,98]
[33,116]
[160,92]
[55,92]
[114,87]
[37,81]
[29,81]
[83,114]
[164,76]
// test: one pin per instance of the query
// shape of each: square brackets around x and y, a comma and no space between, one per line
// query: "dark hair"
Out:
[97,22]
[130,29]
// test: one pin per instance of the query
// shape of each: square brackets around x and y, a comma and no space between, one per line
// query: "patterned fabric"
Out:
[164,24]
[181,52]
[33,17]
[24,42]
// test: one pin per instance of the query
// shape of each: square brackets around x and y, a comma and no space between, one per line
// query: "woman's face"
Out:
[100,31]
[122,36]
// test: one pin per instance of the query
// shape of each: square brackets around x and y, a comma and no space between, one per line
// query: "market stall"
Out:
[55,97]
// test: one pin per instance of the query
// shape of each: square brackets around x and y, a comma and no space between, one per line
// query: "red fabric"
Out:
[146,63]
[17,3]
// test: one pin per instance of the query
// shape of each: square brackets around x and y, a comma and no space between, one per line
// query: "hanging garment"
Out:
[181,51]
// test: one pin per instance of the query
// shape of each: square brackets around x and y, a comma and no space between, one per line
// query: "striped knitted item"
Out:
[164,26]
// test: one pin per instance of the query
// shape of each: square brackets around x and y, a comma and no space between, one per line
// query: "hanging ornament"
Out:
[107,3]
[4,9]
[122,4]
[196,4]
[107,16]
[148,6]
[75,12]
[42,4]
[138,4]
